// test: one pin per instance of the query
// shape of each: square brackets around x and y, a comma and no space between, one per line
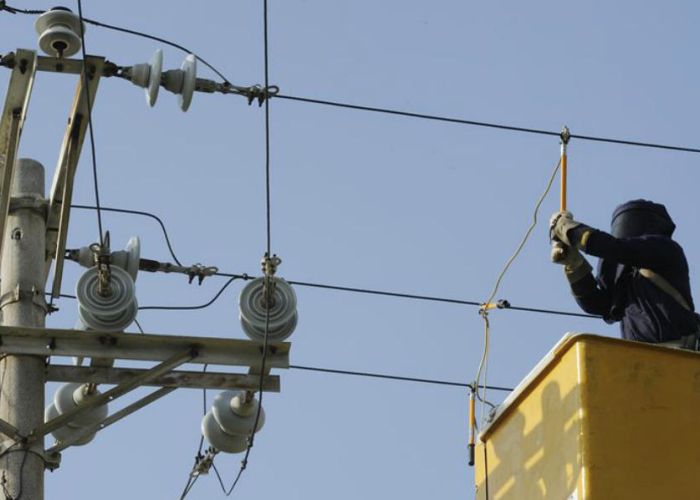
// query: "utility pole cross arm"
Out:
[146,347]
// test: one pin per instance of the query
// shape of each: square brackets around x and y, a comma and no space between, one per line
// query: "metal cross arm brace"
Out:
[52,453]
[155,348]
[112,394]
[55,65]
[179,379]
[10,431]
[11,123]
[62,187]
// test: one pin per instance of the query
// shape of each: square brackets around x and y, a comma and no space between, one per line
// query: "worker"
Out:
[642,278]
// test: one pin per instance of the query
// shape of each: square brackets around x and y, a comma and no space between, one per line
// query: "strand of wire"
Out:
[137,212]
[484,310]
[90,127]
[251,438]
[345,105]
[370,374]
[475,123]
[368,291]
[191,480]
[191,308]
[396,377]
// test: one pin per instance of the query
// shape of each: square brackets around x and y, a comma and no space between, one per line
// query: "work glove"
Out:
[559,225]
[576,267]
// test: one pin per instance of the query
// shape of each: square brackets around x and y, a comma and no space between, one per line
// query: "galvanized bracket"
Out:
[39,206]
[36,294]
[179,379]
[62,188]
[11,124]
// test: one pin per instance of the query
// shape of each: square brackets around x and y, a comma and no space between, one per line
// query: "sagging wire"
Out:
[202,462]
[269,265]
[191,308]
[90,127]
[394,377]
[489,304]
[137,212]
[262,95]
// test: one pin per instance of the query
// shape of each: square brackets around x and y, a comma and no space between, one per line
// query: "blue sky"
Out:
[369,201]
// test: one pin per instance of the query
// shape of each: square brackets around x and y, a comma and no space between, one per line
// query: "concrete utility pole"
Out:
[22,304]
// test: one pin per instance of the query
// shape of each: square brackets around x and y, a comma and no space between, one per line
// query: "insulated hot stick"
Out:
[558,248]
[472,424]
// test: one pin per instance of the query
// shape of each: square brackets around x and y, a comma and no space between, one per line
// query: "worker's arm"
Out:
[653,252]
[649,251]
[589,296]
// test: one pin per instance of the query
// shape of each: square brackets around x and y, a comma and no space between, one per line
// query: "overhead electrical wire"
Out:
[395,377]
[368,291]
[462,121]
[268,255]
[190,308]
[137,212]
[88,102]
[358,107]
[192,481]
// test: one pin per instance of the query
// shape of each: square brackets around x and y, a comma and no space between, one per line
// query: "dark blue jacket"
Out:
[620,293]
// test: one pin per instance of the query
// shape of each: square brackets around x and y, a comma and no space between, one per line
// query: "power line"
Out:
[484,124]
[137,212]
[324,286]
[190,308]
[397,377]
[431,298]
[86,85]
[268,255]
[308,100]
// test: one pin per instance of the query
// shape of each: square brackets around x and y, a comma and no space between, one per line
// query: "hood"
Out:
[641,217]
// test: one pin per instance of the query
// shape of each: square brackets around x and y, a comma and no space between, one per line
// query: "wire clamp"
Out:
[257,92]
[200,272]
[565,135]
[500,304]
[269,268]
[203,462]
[103,259]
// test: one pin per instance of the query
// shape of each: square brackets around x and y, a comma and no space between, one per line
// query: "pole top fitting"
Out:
[565,135]
[269,264]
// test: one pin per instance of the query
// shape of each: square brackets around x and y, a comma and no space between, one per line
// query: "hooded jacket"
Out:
[641,238]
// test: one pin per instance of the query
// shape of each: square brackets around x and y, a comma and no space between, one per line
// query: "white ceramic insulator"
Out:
[65,432]
[59,32]
[234,415]
[281,319]
[220,440]
[70,396]
[114,312]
